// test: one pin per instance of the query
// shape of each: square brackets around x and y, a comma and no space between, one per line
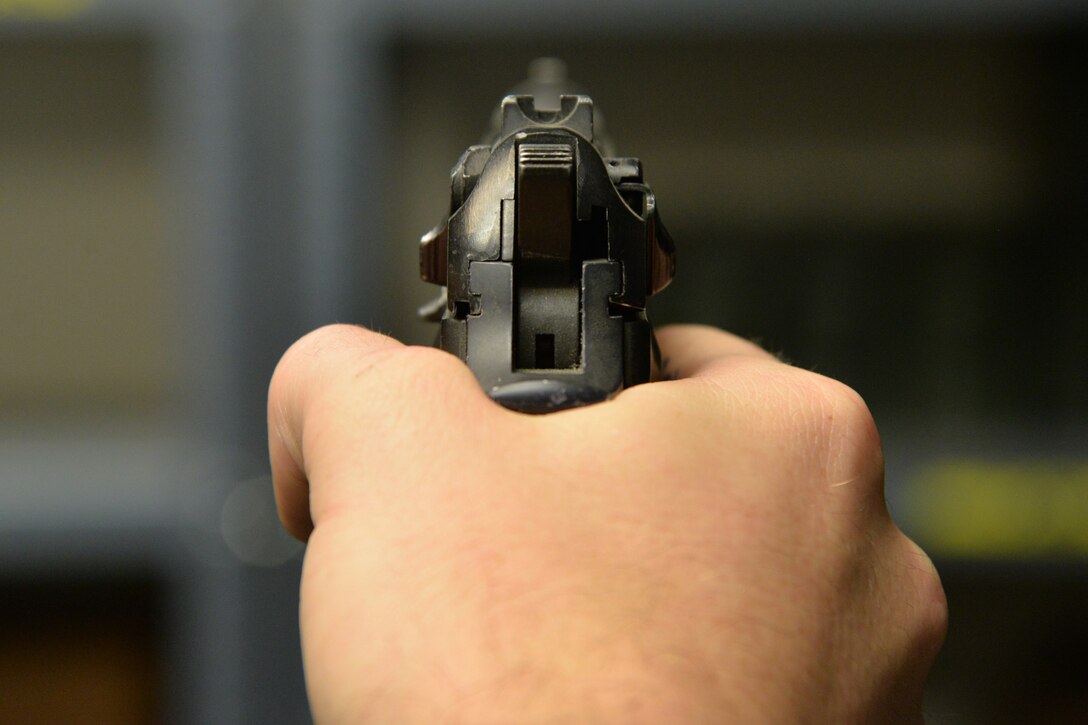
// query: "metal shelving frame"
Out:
[110,497]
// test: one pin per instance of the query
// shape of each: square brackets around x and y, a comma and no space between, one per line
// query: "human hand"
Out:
[714,548]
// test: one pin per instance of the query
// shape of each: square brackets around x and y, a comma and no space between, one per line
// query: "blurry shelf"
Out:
[105,495]
[570,17]
[1006,499]
[575,19]
[115,491]
[80,17]
[102,476]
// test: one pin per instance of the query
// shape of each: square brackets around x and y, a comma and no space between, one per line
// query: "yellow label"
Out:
[988,509]
[42,9]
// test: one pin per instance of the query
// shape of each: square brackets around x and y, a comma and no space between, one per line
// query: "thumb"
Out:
[347,393]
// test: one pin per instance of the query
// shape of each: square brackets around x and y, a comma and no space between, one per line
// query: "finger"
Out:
[696,350]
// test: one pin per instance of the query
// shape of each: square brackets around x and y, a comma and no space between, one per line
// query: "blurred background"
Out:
[893,194]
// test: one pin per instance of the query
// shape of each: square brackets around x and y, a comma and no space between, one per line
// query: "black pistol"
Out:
[551,247]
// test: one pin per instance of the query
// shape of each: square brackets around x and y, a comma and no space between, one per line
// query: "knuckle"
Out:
[849,410]
[848,431]
[930,605]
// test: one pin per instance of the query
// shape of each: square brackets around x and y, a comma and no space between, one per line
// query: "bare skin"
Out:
[714,548]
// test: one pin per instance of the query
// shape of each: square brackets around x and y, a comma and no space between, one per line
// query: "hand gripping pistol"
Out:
[551,247]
